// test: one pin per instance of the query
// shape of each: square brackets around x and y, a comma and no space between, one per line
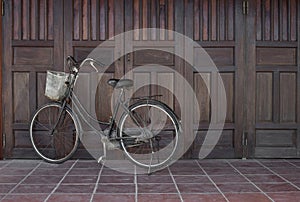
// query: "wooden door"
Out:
[218,26]
[33,43]
[89,23]
[273,79]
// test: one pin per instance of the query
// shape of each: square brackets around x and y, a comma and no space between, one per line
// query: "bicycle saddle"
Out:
[120,83]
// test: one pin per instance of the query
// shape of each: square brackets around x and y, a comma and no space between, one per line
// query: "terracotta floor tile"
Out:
[11,178]
[286,170]
[278,187]
[214,164]
[197,188]
[156,188]
[285,196]
[15,171]
[50,171]
[246,164]
[71,188]
[35,189]
[69,197]
[76,179]
[114,197]
[107,171]
[186,171]
[220,171]
[116,188]
[191,179]
[25,198]
[158,197]
[228,178]
[280,164]
[5,188]
[247,197]
[64,165]
[237,187]
[203,198]
[253,170]
[88,164]
[37,179]
[292,177]
[117,179]
[265,178]
[154,179]
[82,171]
[23,164]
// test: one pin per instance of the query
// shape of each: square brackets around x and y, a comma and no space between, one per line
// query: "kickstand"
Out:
[103,157]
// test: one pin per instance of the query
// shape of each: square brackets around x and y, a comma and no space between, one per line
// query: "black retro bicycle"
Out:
[148,131]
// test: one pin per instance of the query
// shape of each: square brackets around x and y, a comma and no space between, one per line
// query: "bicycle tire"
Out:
[169,132]
[54,145]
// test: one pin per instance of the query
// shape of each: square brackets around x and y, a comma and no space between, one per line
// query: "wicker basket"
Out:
[56,85]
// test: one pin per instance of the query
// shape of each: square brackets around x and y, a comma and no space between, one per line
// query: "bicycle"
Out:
[148,131]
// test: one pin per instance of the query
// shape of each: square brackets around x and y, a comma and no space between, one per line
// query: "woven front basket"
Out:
[56,85]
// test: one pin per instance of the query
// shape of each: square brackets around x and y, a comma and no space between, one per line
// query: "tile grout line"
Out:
[179,193]
[278,175]
[264,193]
[21,181]
[136,185]
[59,183]
[97,182]
[212,181]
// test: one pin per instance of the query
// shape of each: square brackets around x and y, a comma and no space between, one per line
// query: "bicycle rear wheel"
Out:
[54,133]
[149,134]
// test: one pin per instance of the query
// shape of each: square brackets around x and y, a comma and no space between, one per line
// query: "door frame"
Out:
[1,132]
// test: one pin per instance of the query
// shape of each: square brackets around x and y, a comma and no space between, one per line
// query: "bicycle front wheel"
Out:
[54,132]
[149,134]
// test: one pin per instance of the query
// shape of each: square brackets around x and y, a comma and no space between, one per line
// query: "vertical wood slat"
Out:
[145,19]
[33,19]
[102,20]
[205,19]
[50,19]
[111,20]
[162,18]
[284,20]
[275,20]
[153,19]
[76,20]
[258,20]
[230,20]
[94,19]
[196,20]
[25,20]
[42,20]
[267,20]
[136,19]
[293,20]
[213,19]
[16,20]
[221,20]
[170,19]
[85,20]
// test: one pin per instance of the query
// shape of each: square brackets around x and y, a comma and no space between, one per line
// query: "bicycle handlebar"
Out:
[73,63]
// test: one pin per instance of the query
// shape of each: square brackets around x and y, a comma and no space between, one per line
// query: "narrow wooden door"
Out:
[218,27]
[33,43]
[273,78]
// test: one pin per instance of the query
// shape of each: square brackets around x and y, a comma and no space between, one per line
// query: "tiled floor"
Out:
[186,180]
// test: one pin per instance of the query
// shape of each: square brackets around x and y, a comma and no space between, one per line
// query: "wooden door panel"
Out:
[274,77]
[33,43]
[212,24]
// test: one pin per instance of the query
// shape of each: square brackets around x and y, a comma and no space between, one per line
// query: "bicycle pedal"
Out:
[110,145]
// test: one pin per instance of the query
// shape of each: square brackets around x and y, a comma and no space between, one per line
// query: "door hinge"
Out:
[2,8]
[245,7]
